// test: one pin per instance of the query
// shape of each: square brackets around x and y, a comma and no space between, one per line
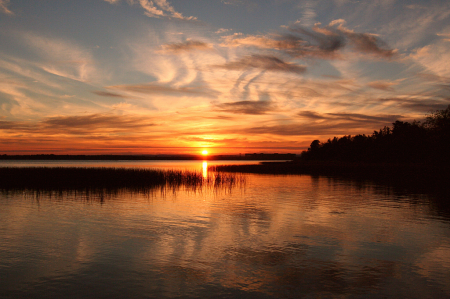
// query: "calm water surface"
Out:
[272,237]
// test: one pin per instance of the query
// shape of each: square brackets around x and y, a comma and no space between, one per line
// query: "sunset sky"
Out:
[229,76]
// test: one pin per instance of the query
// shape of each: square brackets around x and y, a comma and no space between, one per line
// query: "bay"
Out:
[272,236]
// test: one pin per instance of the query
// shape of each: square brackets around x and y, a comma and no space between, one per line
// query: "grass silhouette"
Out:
[102,178]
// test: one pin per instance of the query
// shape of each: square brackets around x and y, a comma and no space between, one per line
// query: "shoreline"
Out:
[416,177]
[246,157]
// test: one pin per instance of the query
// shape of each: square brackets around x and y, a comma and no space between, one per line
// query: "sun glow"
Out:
[204,152]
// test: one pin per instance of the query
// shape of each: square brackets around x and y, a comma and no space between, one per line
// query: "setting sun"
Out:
[204,152]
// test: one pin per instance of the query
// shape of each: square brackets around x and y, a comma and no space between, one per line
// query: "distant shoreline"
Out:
[245,157]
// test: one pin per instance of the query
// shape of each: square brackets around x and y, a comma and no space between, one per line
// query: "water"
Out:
[273,237]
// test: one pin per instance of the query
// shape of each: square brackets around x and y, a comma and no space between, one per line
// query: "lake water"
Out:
[270,237]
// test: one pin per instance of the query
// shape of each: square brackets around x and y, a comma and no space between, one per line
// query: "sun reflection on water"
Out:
[205,169]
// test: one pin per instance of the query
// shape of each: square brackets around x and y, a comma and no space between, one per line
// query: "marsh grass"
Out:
[86,181]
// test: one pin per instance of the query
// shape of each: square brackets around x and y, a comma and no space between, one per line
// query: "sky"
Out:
[229,76]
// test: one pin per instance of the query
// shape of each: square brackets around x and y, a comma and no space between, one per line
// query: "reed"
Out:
[88,178]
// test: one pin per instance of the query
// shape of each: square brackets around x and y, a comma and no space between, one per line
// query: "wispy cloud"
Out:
[189,45]
[263,62]
[109,94]
[350,117]
[434,58]
[321,42]
[223,30]
[63,58]
[4,7]
[416,103]
[156,8]
[370,44]
[311,115]
[80,124]
[150,9]
[382,85]
[164,89]
[246,107]
[328,124]
[249,4]
[95,122]
[17,126]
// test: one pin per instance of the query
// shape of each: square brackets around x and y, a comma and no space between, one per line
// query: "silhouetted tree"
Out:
[404,142]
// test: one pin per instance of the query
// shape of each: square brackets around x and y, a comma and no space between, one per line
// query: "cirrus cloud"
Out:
[156,8]
[246,107]
[263,62]
[320,42]
[189,45]
[4,7]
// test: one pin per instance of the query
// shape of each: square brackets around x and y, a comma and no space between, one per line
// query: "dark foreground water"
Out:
[272,237]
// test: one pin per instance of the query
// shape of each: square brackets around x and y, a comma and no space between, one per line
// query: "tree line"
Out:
[404,142]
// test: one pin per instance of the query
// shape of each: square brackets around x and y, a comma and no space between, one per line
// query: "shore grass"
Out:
[89,178]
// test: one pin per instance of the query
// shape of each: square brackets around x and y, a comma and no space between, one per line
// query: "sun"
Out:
[204,152]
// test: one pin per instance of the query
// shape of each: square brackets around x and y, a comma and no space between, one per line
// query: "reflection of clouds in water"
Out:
[281,236]
[435,265]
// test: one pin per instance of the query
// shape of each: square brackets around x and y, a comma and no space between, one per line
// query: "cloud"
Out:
[16,126]
[219,117]
[250,5]
[156,8]
[382,85]
[63,58]
[311,115]
[435,58]
[164,89]
[150,8]
[4,7]
[330,124]
[246,107]
[353,117]
[108,94]
[370,44]
[356,117]
[263,62]
[415,6]
[321,42]
[212,140]
[419,104]
[190,45]
[331,38]
[232,2]
[434,77]
[276,42]
[81,124]
[96,121]
[222,30]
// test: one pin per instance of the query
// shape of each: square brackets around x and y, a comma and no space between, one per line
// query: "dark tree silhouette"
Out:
[405,142]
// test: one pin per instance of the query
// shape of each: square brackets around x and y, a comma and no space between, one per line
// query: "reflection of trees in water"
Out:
[431,192]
